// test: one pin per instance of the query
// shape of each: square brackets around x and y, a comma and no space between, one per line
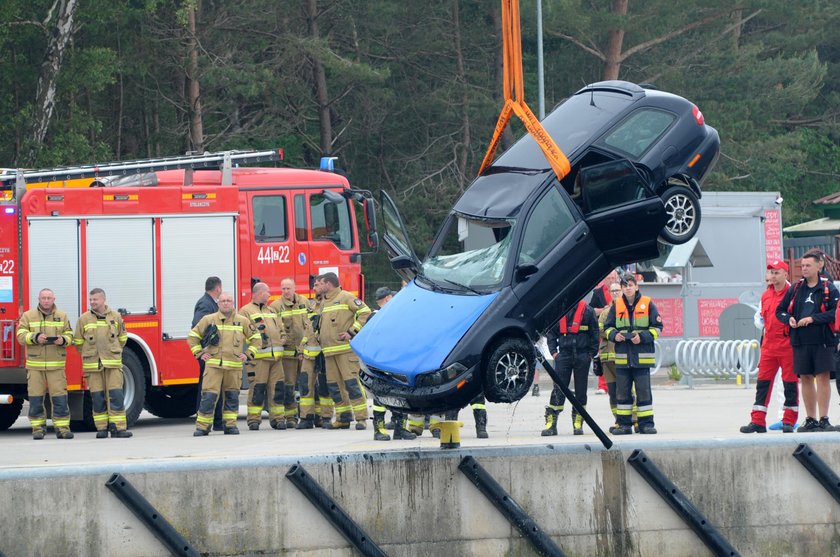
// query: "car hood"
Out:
[418,329]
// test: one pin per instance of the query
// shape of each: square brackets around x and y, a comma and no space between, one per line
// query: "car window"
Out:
[550,220]
[638,132]
[269,218]
[611,184]
[330,222]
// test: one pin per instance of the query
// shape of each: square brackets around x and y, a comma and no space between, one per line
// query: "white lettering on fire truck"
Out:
[271,254]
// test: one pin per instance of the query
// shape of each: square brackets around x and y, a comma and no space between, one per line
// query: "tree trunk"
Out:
[738,21]
[463,149]
[612,60]
[60,34]
[193,89]
[507,136]
[320,83]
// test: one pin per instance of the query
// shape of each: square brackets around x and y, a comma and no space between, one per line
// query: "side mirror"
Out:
[524,271]
[402,262]
[370,222]
[333,197]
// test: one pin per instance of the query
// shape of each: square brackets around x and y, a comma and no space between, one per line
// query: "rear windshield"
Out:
[572,124]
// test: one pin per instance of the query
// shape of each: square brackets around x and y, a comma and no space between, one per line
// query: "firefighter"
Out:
[266,369]
[100,338]
[606,349]
[633,324]
[222,340]
[315,403]
[573,344]
[776,352]
[380,433]
[294,310]
[342,316]
[207,304]
[45,332]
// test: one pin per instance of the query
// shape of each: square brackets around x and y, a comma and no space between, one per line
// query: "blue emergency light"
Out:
[9,210]
[328,164]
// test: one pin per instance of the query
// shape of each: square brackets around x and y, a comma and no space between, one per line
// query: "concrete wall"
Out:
[413,504]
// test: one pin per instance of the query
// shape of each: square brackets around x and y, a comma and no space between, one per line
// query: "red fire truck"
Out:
[150,237]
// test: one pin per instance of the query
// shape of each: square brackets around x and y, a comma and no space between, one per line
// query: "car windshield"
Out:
[471,255]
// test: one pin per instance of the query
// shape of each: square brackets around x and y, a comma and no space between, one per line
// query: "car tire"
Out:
[509,371]
[171,402]
[9,413]
[683,210]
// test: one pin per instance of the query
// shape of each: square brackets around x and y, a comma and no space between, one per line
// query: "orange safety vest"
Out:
[641,314]
[564,328]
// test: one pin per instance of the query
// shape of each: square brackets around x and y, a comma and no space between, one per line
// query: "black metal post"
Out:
[526,525]
[159,526]
[570,396]
[666,489]
[333,512]
[819,469]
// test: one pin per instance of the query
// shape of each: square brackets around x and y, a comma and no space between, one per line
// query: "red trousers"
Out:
[768,366]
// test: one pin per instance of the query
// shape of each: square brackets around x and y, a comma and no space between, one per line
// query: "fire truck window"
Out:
[301,230]
[330,222]
[269,218]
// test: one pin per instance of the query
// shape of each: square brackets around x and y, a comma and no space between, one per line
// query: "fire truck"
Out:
[149,233]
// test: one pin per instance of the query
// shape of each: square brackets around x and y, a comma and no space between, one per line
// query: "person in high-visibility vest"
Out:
[100,338]
[223,341]
[316,406]
[606,349]
[46,333]
[294,311]
[633,324]
[265,371]
[573,343]
[342,317]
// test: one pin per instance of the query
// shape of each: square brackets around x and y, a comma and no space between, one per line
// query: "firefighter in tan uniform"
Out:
[265,371]
[342,316]
[222,340]
[315,403]
[46,333]
[294,310]
[100,338]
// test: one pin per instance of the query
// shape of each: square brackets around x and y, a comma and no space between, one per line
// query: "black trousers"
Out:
[568,364]
[217,415]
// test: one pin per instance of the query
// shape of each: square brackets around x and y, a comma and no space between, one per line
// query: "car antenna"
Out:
[592,98]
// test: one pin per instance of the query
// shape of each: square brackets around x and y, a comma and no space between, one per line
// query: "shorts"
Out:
[813,359]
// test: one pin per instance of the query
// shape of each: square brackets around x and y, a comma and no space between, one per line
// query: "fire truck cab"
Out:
[150,240]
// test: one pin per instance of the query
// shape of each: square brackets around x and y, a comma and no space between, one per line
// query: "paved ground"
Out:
[709,411]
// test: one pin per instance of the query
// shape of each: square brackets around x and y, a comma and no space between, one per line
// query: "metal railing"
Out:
[718,358]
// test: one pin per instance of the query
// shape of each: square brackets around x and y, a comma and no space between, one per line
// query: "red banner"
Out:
[671,312]
[708,313]
[773,234]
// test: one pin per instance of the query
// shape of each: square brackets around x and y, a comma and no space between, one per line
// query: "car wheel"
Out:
[171,402]
[509,371]
[683,210]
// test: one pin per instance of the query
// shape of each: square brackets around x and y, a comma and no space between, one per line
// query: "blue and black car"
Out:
[521,247]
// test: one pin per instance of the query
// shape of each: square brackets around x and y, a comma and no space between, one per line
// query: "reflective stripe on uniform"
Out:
[478,406]
[204,419]
[111,363]
[335,349]
[90,365]
[375,408]
[336,307]
[360,406]
[644,411]
[229,416]
[33,363]
[255,409]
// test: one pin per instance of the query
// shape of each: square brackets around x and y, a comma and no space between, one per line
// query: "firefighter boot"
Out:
[342,421]
[577,424]
[415,426]
[379,431]
[401,431]
[121,434]
[37,433]
[550,422]
[307,422]
[61,417]
[480,423]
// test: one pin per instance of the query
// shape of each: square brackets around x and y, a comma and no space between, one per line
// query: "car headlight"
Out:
[453,371]
[434,378]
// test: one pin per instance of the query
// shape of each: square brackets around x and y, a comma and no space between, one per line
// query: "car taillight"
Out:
[698,116]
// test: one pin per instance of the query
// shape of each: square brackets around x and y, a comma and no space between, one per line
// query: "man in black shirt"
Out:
[808,309]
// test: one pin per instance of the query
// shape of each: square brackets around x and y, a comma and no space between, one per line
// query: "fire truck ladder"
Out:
[224,161]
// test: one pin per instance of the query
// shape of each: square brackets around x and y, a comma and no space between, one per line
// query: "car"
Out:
[522,245]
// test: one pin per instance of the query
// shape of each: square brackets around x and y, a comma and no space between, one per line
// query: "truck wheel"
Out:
[171,402]
[683,210]
[9,413]
[509,371]
[134,386]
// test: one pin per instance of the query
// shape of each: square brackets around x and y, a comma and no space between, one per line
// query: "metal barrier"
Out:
[718,358]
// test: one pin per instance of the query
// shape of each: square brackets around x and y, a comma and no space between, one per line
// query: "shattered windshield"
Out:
[471,255]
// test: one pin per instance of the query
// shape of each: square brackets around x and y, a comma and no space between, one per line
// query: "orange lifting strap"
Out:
[514,91]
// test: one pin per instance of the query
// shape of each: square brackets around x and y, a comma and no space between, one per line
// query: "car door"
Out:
[395,239]
[623,213]
[558,260]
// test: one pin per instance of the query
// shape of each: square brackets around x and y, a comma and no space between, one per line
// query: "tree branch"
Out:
[658,40]
[591,50]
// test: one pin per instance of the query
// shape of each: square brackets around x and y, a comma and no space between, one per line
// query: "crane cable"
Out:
[514,94]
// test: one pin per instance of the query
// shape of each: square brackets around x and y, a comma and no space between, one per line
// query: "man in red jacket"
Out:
[776,352]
